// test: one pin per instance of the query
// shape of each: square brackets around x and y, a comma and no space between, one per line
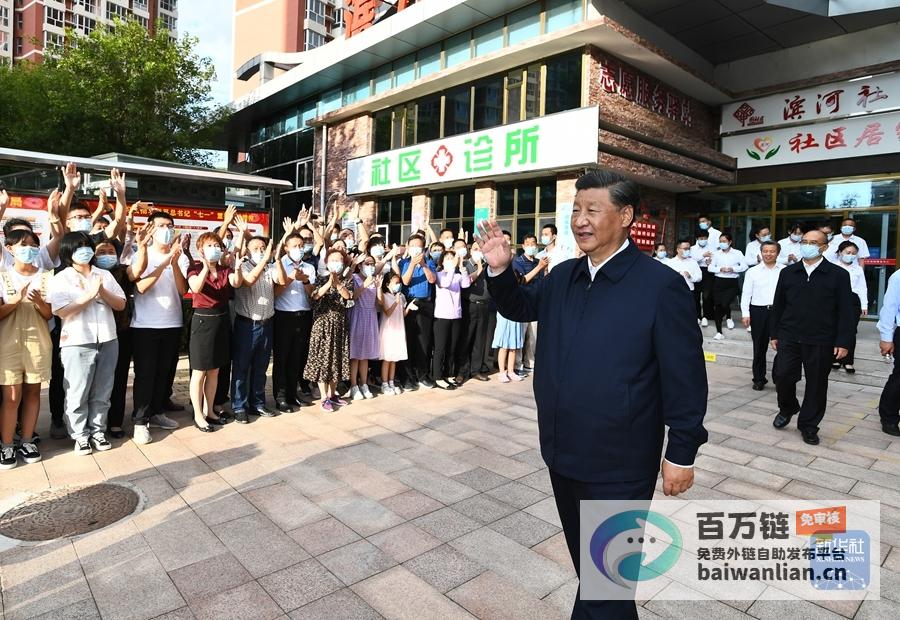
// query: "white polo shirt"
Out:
[160,307]
[293,297]
[95,323]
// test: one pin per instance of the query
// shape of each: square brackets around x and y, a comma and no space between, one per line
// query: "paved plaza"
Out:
[430,505]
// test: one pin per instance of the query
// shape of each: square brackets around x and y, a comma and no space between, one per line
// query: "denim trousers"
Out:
[252,345]
[88,380]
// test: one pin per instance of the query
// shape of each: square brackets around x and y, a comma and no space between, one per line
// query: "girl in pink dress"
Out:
[363,329]
[392,333]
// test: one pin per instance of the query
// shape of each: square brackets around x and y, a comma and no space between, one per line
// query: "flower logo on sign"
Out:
[442,160]
[762,149]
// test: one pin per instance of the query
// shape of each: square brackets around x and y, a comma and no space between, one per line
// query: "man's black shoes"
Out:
[263,412]
[781,420]
[810,437]
[891,429]
[285,407]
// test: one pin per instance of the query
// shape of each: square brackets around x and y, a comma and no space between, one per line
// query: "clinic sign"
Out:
[857,97]
[561,140]
[860,136]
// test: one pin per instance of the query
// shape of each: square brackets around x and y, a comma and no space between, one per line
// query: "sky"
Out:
[212,22]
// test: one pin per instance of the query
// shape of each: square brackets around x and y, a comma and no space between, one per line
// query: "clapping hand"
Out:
[71,176]
[52,202]
[117,181]
[494,245]
[4,199]
[18,296]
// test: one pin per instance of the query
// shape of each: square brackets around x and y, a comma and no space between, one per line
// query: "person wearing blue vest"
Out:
[619,358]
[417,272]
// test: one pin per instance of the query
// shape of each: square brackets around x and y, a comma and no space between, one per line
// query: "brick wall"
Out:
[346,140]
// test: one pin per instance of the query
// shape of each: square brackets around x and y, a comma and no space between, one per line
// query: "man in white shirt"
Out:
[756,306]
[683,262]
[848,233]
[159,273]
[292,323]
[704,223]
[556,253]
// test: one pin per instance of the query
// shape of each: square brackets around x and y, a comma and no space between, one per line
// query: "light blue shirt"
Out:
[889,314]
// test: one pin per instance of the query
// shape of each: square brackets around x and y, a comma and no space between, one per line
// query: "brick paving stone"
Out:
[483,508]
[491,597]
[446,524]
[481,479]
[411,504]
[246,601]
[444,567]
[300,584]
[356,561]
[343,604]
[399,594]
[208,577]
[323,536]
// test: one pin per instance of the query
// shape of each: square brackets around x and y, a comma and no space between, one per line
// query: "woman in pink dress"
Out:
[392,333]
[364,345]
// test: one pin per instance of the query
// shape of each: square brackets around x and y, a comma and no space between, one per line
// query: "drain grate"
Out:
[68,512]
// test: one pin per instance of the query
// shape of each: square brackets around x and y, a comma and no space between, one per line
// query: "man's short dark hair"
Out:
[769,242]
[265,240]
[529,236]
[623,192]
[160,215]
[507,233]
[416,236]
[15,222]
[552,228]
[701,233]
[443,230]
[680,241]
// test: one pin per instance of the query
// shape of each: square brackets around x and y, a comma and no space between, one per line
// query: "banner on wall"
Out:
[192,220]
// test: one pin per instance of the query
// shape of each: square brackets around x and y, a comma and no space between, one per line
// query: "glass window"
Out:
[532,92]
[489,37]
[458,49]
[488,103]
[563,83]
[506,199]
[356,90]
[404,70]
[452,212]
[457,108]
[397,128]
[307,112]
[524,24]
[437,207]
[548,196]
[290,121]
[428,119]
[526,199]
[382,79]
[429,61]
[330,101]
[305,142]
[514,96]
[562,13]
[409,121]
[792,198]
[383,130]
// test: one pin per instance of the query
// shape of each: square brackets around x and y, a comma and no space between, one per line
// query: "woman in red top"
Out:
[212,285]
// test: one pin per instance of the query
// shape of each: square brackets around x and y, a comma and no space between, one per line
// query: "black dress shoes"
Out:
[240,416]
[781,420]
[215,421]
[284,407]
[205,429]
[891,429]
[481,377]
[810,437]
[758,387]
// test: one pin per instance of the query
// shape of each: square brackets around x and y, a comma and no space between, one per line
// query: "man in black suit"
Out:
[813,324]
[619,357]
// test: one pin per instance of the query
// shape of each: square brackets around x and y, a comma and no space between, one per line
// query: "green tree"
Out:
[118,89]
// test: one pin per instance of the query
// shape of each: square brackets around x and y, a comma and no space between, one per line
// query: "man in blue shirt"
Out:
[888,319]
[418,275]
[532,270]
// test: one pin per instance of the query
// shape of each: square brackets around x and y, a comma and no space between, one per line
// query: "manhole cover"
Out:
[68,512]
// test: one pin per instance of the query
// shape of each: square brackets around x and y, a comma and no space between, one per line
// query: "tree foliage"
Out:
[118,89]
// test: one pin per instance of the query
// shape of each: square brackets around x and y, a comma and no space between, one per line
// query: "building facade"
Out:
[29,28]
[450,111]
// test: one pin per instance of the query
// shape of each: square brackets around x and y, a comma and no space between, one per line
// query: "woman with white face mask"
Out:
[451,280]
[211,284]
[329,346]
[363,327]
[848,258]
[85,297]
[727,263]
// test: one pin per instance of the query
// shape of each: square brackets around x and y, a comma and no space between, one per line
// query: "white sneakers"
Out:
[729,324]
[365,391]
[719,336]
[142,434]
[704,322]
[83,446]
[356,393]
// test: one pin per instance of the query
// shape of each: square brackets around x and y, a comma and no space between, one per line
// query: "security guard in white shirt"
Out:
[848,233]
[702,252]
[756,306]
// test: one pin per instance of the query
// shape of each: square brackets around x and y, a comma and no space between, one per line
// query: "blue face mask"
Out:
[847,230]
[81,225]
[702,242]
[531,250]
[27,254]
[724,245]
[848,258]
[82,256]
[765,238]
[686,254]
[662,254]
[212,253]
[704,226]
[809,251]
[107,261]
[436,256]
[796,238]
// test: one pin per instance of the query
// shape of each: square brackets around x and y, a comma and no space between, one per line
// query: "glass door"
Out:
[880,233]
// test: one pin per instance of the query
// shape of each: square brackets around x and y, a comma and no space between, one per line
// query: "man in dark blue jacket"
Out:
[619,358]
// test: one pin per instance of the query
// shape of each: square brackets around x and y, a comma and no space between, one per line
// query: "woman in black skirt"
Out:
[727,265]
[212,286]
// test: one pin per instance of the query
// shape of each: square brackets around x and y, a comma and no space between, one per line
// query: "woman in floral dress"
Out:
[329,346]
